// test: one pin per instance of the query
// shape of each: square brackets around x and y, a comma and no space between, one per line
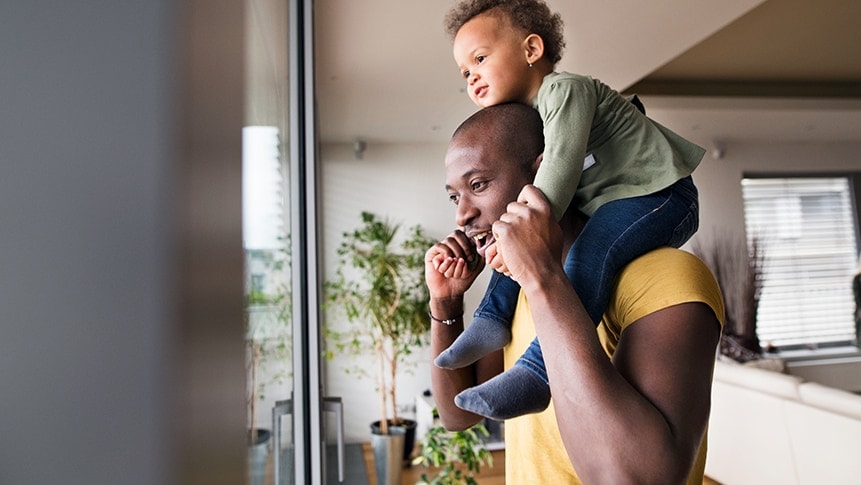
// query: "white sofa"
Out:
[768,427]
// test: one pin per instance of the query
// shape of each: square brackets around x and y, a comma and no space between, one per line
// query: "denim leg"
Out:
[533,360]
[616,234]
[500,300]
[624,229]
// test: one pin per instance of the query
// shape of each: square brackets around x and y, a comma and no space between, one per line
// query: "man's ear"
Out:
[534,46]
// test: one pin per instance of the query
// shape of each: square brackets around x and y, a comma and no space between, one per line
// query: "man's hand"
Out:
[451,266]
[528,238]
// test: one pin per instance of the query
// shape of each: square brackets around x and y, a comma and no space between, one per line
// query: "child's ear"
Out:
[534,45]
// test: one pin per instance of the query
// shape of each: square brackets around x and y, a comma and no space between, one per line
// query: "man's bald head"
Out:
[514,128]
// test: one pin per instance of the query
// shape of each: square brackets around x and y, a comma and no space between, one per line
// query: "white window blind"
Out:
[806,228]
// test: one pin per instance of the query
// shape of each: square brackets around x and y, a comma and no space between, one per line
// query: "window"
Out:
[806,227]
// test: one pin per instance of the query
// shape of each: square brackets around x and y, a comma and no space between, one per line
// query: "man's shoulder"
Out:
[671,267]
[673,259]
[665,277]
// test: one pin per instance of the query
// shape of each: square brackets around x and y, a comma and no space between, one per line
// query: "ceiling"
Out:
[735,70]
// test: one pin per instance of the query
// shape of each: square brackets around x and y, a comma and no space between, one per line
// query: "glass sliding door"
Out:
[279,245]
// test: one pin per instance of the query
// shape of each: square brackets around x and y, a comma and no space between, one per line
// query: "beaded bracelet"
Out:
[447,321]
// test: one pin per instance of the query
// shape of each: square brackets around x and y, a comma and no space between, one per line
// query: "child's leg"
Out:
[615,235]
[490,329]
[622,230]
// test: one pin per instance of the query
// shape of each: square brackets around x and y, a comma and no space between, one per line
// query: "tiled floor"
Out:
[355,472]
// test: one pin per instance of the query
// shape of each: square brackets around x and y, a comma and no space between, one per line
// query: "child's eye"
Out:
[466,74]
[479,59]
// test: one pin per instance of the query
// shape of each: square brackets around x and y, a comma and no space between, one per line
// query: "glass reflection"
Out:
[266,241]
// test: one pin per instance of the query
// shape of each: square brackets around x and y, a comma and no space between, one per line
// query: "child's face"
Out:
[491,56]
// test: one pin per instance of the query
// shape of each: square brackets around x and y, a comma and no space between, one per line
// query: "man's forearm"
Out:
[447,383]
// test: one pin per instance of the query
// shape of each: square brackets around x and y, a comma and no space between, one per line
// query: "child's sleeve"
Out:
[566,109]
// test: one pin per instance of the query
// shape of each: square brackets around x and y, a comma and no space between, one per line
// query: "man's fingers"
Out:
[532,196]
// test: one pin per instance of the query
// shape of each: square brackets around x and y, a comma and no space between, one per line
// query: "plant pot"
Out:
[409,427]
[257,453]
[388,455]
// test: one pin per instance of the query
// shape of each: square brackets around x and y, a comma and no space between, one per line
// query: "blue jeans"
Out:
[616,234]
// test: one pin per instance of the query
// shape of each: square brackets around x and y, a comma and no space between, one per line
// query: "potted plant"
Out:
[268,337]
[379,287]
[456,457]
[737,267]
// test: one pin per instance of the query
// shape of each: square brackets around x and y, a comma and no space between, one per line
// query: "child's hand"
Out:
[495,260]
[451,266]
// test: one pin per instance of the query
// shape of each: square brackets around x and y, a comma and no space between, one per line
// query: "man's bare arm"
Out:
[638,418]
[448,275]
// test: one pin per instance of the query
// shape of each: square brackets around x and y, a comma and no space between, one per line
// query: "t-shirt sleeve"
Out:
[660,279]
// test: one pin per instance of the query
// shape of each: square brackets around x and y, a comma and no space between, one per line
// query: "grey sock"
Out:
[513,393]
[480,338]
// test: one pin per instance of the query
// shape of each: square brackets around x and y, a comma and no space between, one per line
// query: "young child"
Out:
[629,174]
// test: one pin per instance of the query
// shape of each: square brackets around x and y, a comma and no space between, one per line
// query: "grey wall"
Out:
[89,244]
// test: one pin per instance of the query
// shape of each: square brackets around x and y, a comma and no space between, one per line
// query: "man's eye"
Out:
[478,185]
[453,198]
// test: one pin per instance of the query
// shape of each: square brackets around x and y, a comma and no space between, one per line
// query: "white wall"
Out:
[719,181]
[406,182]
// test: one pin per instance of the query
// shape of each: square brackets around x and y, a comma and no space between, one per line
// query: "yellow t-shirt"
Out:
[659,279]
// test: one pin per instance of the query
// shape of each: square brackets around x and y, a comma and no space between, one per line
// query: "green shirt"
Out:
[626,154]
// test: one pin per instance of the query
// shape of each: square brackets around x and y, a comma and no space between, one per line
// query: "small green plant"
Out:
[456,456]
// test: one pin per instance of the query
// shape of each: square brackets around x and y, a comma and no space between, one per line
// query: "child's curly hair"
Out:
[532,16]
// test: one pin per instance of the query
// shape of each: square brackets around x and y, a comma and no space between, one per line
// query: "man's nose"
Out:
[465,213]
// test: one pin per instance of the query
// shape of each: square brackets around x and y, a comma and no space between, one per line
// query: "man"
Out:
[637,417]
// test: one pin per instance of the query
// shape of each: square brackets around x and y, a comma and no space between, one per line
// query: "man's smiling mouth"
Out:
[482,240]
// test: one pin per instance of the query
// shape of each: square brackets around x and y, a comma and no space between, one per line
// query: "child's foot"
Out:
[480,338]
[513,393]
